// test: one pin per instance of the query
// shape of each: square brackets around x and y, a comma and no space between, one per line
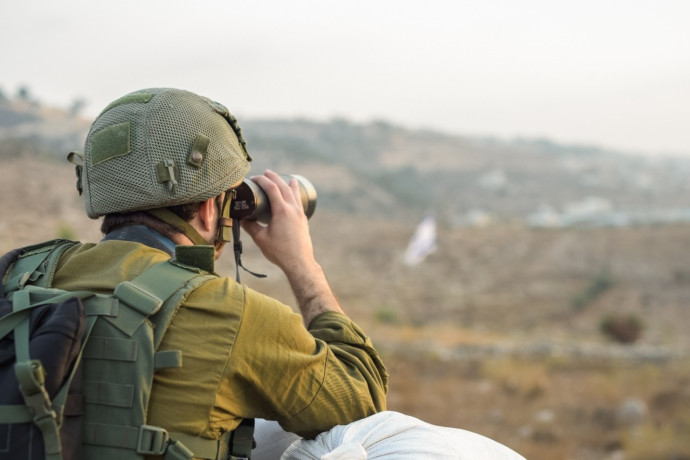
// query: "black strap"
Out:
[242,440]
[237,249]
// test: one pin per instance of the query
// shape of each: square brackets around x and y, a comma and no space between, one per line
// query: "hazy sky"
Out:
[614,73]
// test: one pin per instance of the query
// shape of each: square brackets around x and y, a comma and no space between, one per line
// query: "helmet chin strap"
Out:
[173,219]
[226,231]
[225,234]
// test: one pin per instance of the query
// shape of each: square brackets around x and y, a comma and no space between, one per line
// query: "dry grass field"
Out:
[498,332]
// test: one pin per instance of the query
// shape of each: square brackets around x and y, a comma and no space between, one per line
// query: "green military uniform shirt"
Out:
[245,355]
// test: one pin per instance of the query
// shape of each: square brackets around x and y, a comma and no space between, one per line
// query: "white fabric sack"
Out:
[349,451]
[391,435]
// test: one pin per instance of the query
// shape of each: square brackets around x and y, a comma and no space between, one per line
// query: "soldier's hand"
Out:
[285,241]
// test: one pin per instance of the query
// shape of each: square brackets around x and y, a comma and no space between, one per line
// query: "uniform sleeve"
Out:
[307,380]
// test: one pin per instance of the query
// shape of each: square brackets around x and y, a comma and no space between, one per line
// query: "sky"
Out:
[615,74]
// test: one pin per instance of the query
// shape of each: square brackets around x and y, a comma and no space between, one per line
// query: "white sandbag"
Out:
[347,451]
[391,435]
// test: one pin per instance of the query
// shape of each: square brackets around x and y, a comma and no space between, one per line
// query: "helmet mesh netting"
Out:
[165,129]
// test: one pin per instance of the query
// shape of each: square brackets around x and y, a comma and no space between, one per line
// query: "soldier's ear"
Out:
[208,215]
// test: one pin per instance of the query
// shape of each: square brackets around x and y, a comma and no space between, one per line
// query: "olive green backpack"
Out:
[104,363]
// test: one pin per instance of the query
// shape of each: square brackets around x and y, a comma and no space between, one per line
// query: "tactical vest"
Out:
[119,357]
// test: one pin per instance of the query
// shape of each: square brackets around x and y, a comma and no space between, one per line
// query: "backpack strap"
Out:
[31,378]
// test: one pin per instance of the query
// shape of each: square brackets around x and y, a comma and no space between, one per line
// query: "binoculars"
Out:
[251,202]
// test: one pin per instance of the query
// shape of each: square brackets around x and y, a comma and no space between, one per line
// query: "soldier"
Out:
[160,166]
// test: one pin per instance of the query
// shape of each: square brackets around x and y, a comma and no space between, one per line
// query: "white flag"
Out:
[423,242]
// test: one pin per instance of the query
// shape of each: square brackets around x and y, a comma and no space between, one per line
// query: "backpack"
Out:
[76,368]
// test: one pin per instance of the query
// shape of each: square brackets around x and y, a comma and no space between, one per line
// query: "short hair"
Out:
[117,220]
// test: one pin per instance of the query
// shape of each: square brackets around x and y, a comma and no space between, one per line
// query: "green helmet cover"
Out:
[160,147]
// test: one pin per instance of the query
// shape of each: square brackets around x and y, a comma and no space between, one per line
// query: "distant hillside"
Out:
[26,125]
[387,169]
[382,169]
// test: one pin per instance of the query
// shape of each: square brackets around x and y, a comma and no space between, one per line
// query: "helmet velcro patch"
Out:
[110,142]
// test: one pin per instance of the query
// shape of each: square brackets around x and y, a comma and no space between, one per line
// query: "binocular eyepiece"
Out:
[251,202]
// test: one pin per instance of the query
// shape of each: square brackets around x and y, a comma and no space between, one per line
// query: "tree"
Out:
[24,93]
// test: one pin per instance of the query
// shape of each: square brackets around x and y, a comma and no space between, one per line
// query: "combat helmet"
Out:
[159,147]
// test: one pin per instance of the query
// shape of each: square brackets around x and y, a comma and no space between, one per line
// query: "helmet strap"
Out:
[225,221]
[185,227]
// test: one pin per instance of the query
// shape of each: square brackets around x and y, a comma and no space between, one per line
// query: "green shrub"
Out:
[66,231]
[387,315]
[622,328]
[595,289]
